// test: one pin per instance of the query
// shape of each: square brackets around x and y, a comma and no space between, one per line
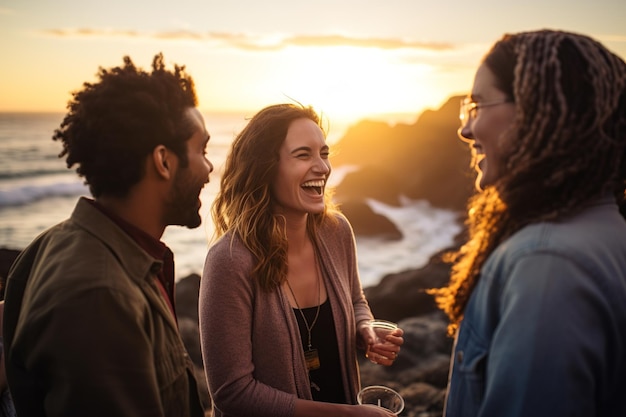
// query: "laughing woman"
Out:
[281,304]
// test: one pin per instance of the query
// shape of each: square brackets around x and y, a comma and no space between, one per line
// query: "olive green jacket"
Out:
[87,331]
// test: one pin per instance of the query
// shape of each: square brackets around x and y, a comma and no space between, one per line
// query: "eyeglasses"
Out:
[469,107]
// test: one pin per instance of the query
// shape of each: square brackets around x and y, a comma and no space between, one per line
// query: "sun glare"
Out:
[351,83]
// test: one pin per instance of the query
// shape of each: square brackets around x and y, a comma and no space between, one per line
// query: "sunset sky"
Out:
[348,58]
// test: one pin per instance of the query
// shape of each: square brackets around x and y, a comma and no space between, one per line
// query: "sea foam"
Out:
[21,195]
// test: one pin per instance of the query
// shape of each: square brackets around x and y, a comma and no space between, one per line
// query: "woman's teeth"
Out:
[318,186]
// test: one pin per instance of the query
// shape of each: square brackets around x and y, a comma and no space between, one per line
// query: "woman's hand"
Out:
[373,411]
[385,352]
[309,408]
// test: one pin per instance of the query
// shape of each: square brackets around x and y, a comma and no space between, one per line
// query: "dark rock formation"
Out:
[425,160]
[370,181]
[369,223]
[187,297]
[402,295]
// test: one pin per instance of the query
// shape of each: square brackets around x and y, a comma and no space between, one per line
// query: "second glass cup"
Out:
[381,396]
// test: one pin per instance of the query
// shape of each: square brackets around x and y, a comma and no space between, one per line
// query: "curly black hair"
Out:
[113,124]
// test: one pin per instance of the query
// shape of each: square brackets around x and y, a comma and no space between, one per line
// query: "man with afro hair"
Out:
[90,320]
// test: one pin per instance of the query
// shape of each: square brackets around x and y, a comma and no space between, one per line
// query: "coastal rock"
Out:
[424,160]
[186,297]
[366,222]
[402,295]
[369,181]
[423,400]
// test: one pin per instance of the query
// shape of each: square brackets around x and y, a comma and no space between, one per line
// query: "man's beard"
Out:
[182,206]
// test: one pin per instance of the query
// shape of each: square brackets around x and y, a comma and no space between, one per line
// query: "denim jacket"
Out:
[87,331]
[544,331]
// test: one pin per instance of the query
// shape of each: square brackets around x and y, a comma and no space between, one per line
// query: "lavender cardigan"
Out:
[251,345]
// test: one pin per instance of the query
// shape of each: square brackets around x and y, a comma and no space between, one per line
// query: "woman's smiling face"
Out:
[303,170]
[484,128]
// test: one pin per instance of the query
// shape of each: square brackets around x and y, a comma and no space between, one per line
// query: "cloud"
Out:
[90,33]
[381,43]
[253,43]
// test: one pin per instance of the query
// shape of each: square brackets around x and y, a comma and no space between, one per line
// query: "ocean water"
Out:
[37,191]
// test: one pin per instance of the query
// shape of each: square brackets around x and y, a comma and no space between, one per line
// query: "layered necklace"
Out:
[311,355]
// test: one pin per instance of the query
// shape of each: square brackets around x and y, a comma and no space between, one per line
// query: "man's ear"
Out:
[163,161]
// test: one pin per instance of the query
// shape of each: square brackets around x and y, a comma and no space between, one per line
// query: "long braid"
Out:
[567,146]
[578,139]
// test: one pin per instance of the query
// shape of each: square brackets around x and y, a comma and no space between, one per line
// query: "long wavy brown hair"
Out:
[567,145]
[244,203]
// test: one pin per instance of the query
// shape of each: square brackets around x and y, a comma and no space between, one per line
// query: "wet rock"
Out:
[424,160]
[366,222]
[402,295]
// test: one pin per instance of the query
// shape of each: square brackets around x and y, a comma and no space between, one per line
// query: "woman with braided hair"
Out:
[537,295]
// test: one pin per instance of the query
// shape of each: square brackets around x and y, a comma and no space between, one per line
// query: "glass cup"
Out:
[380,328]
[381,396]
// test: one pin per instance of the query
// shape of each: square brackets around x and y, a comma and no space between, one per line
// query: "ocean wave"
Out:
[426,230]
[9,174]
[26,194]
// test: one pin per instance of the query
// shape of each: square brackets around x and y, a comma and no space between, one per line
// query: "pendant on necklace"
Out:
[312,359]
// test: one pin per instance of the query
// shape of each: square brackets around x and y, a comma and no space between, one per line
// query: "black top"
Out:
[326,382]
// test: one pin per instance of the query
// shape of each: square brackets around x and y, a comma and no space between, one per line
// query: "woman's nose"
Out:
[465,133]
[322,166]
